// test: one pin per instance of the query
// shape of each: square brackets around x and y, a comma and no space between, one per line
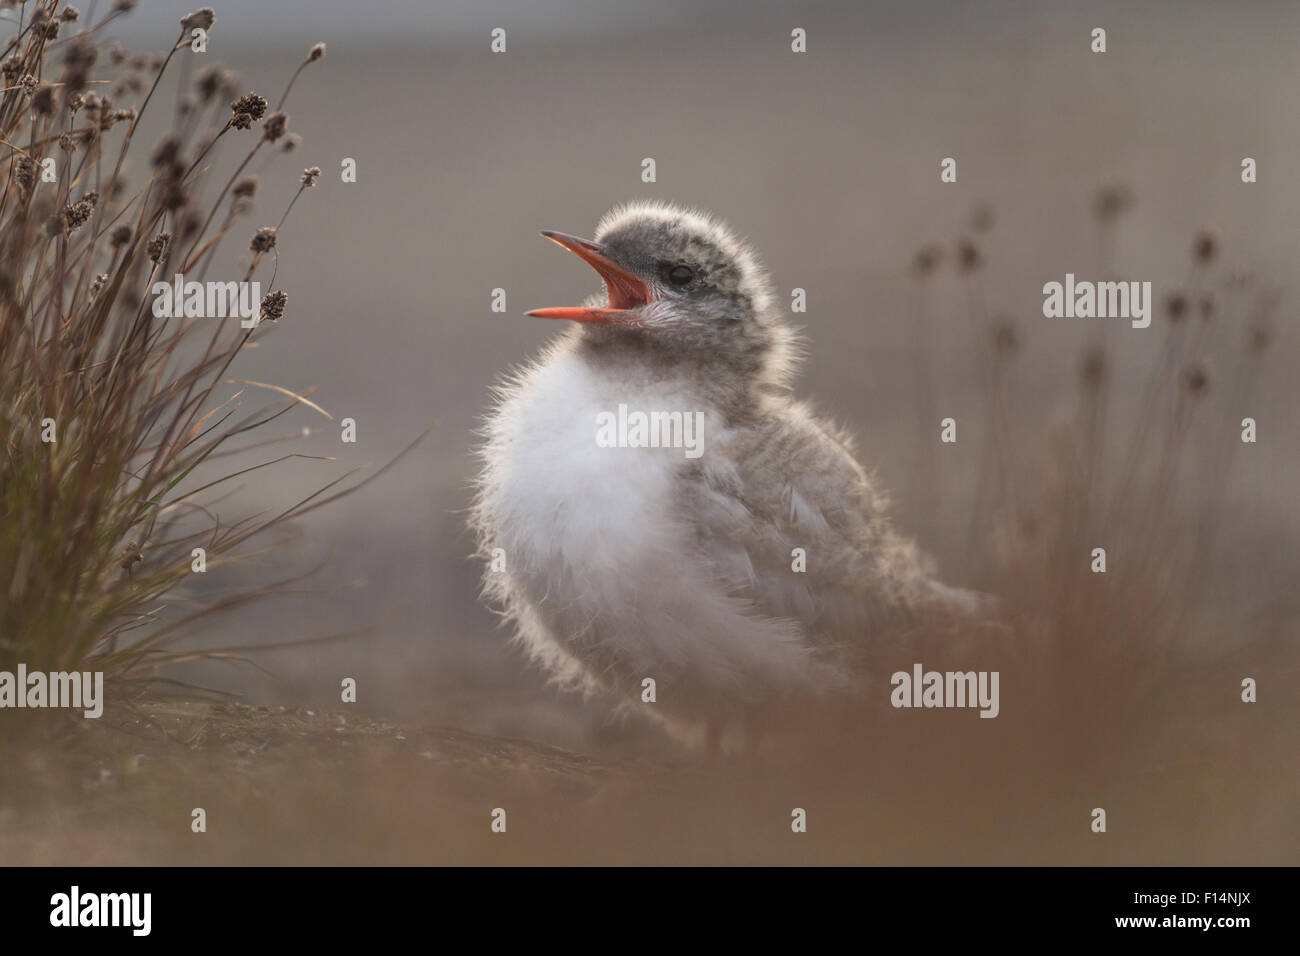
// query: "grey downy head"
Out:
[677,283]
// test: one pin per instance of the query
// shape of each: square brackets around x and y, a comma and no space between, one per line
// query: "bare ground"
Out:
[282,786]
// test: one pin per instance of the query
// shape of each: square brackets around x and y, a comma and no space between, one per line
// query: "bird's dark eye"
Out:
[680,275]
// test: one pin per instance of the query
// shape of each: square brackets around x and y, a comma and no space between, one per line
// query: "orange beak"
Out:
[626,291]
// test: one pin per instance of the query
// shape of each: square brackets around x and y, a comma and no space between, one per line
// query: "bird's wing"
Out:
[788,520]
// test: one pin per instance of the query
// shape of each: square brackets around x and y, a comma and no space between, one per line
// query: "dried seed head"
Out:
[1196,379]
[273,306]
[1176,306]
[212,81]
[79,58]
[170,167]
[275,126]
[982,218]
[250,105]
[246,188]
[200,19]
[44,102]
[157,247]
[118,54]
[968,256]
[1006,337]
[190,224]
[131,83]
[25,175]
[104,110]
[120,236]
[76,215]
[927,260]
[290,142]
[1111,202]
[317,52]
[122,6]
[263,240]
[1259,336]
[29,84]
[167,154]
[97,286]
[1204,247]
[75,101]
[1092,367]
[68,142]
[172,195]
[70,14]
[310,175]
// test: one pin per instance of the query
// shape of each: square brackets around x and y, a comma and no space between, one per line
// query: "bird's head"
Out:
[675,277]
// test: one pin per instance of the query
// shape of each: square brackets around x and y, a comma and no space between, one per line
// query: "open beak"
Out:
[626,291]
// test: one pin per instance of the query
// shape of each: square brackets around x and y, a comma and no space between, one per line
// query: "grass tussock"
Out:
[1124,651]
[114,422]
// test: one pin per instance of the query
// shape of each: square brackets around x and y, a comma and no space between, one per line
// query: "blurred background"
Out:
[829,162]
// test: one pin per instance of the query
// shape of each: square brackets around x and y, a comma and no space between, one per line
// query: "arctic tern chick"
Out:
[759,570]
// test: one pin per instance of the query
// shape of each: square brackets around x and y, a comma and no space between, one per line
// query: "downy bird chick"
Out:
[760,569]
